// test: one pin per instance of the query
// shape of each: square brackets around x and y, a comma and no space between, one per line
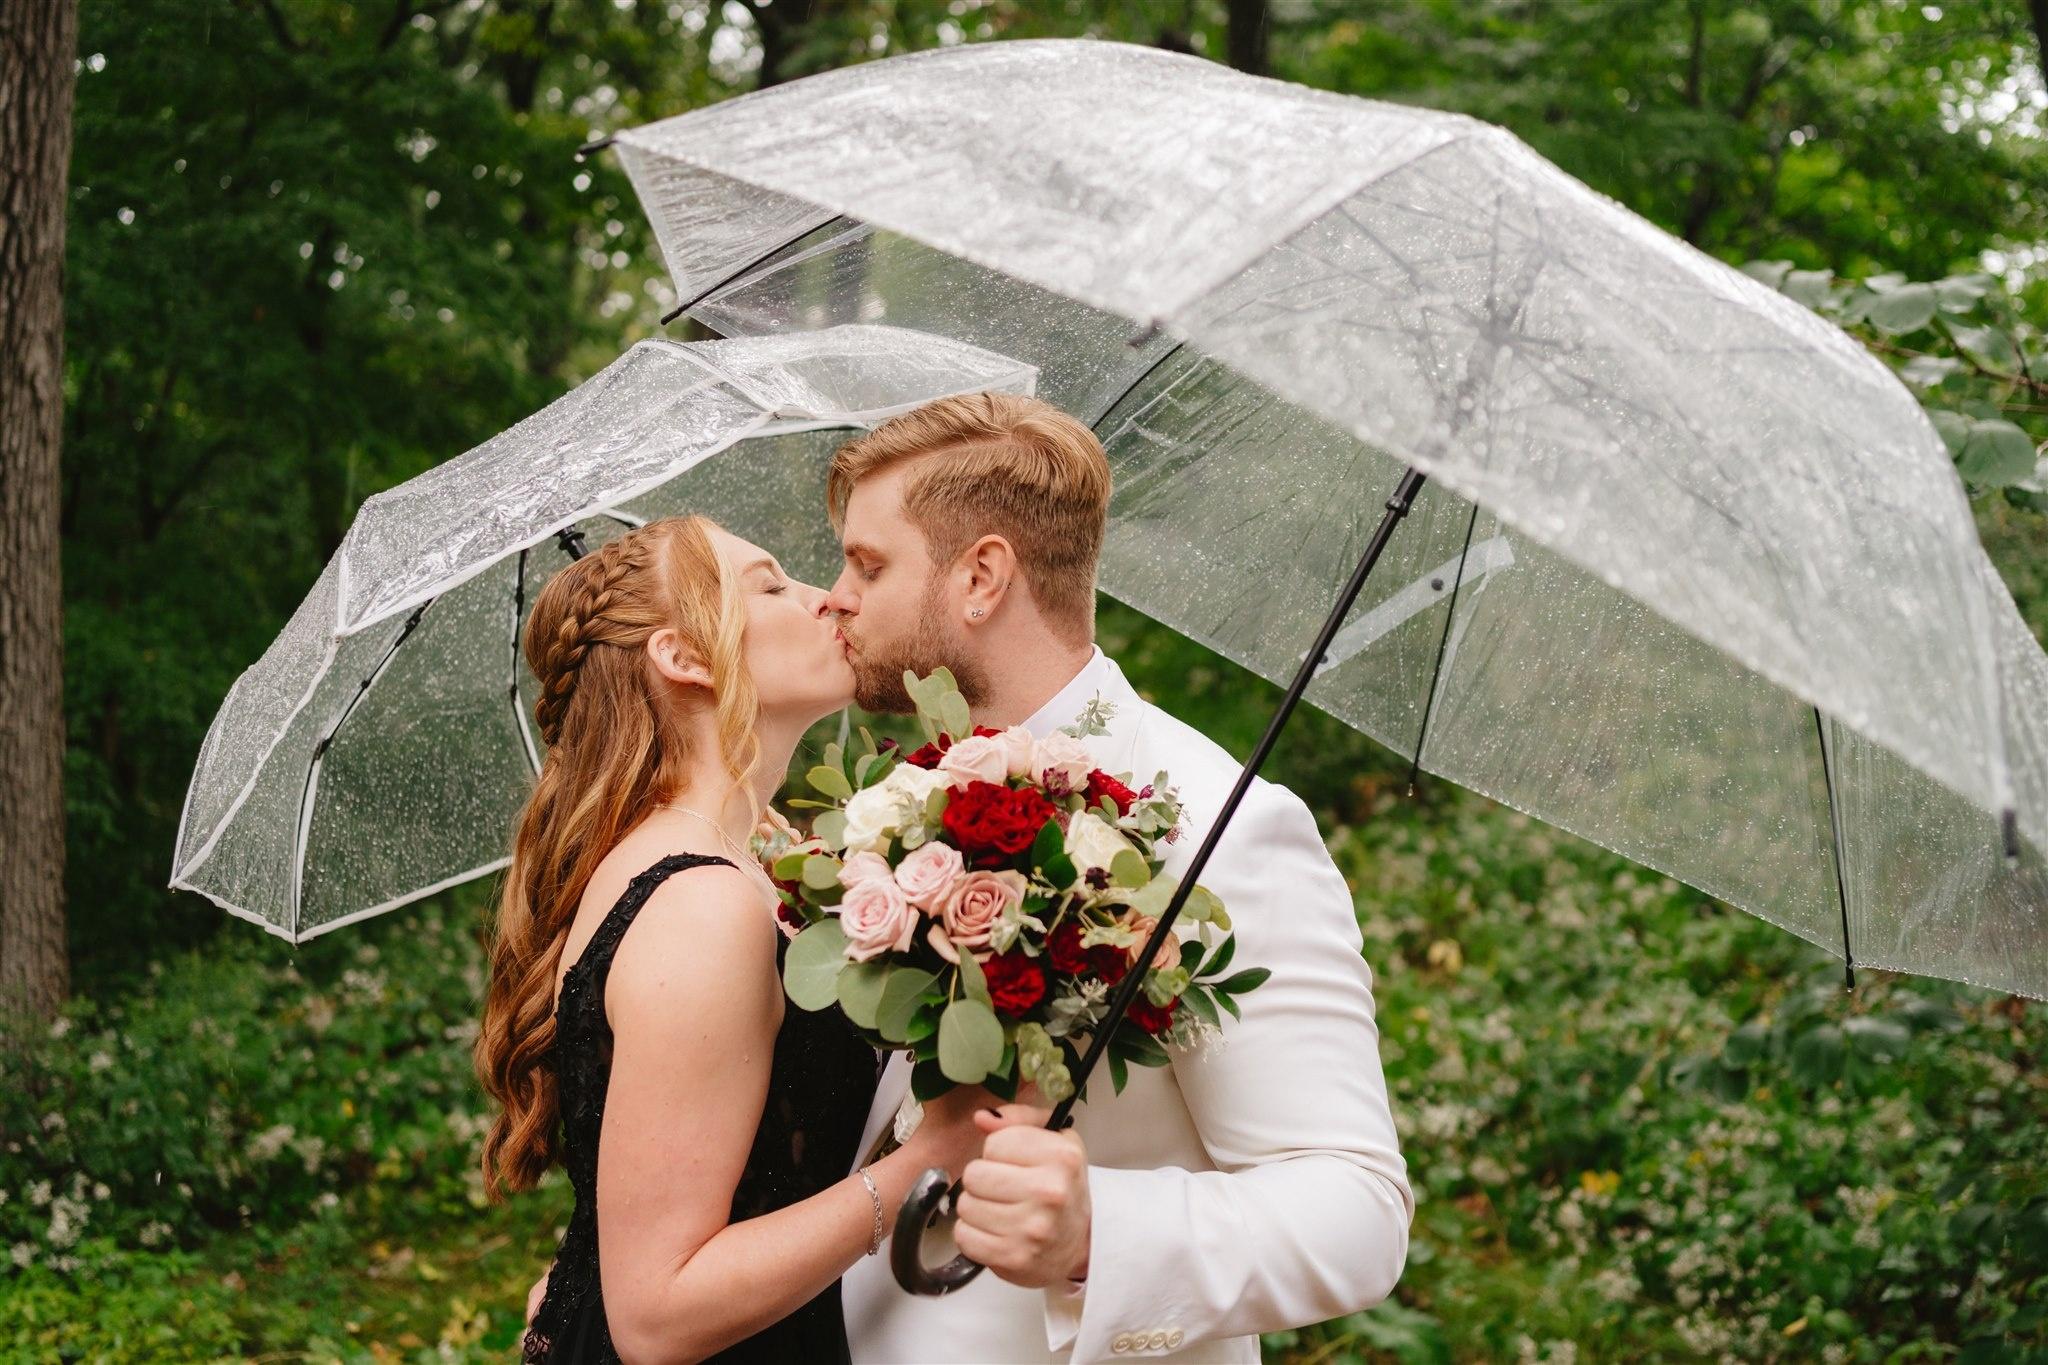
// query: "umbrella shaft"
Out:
[1127,990]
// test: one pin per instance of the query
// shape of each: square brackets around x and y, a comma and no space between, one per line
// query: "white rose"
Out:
[897,801]
[1092,842]
[1061,763]
[975,759]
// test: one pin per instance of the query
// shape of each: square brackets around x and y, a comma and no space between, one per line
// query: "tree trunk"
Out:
[38,45]
[1245,38]
[2039,9]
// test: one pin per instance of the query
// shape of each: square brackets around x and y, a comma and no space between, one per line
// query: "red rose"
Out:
[926,757]
[1101,784]
[986,732]
[992,823]
[1063,945]
[1015,983]
[1110,962]
[1154,1019]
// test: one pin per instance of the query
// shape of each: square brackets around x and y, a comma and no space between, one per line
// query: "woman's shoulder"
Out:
[705,928]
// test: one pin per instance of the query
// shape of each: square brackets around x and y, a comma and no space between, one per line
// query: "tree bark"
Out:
[2039,9]
[38,48]
[1245,36]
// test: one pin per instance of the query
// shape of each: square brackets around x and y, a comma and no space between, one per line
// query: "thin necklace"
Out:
[747,859]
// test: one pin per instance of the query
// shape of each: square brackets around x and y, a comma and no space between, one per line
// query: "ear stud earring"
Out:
[976,614]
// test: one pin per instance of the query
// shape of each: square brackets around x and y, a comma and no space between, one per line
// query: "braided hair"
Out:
[619,746]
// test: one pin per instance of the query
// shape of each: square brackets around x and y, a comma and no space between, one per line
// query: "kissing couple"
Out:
[738,1162]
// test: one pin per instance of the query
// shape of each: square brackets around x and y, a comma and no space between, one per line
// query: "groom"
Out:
[1256,1183]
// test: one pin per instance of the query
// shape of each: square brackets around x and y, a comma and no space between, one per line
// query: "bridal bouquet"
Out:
[976,901]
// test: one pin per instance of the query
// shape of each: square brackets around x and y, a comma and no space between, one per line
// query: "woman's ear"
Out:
[676,661]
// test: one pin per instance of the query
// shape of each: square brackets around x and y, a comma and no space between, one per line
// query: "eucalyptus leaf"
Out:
[970,1041]
[821,871]
[860,990]
[812,963]
[973,980]
[1995,454]
[830,780]
[902,995]
[830,828]
[1129,868]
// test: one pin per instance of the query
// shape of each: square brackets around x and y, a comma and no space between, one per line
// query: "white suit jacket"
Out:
[1255,1184]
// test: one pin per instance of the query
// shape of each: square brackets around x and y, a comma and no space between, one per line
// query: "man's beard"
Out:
[878,675]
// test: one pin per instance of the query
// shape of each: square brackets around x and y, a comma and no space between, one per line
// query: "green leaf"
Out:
[830,828]
[862,768]
[790,867]
[1191,956]
[1898,311]
[821,871]
[1881,1040]
[1769,272]
[860,990]
[1230,1005]
[1140,1047]
[1221,959]
[1991,346]
[902,996]
[1197,998]
[928,1082]
[1813,288]
[970,1041]
[1251,978]
[1996,454]
[1059,871]
[1050,843]
[954,715]
[1129,868]
[831,781]
[972,980]
[1119,1073]
[811,965]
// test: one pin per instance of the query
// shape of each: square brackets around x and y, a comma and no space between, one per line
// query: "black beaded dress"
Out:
[820,1084]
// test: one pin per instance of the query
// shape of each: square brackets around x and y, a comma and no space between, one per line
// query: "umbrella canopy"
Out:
[1693,576]
[381,747]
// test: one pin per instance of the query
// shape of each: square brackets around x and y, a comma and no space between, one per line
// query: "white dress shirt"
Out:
[1253,1185]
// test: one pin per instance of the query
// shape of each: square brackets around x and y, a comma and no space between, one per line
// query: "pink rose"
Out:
[864,867]
[1168,956]
[1018,747]
[1061,763]
[971,910]
[876,919]
[975,759]
[928,874]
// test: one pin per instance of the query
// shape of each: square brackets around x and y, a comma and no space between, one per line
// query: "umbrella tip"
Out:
[593,147]
[1143,335]
[2009,830]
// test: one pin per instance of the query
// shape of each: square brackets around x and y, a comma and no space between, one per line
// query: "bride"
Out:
[635,1028]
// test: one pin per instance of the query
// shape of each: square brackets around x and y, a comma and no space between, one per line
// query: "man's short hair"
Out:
[997,464]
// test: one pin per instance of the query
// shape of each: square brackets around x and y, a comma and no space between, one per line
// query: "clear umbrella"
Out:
[381,747]
[1691,575]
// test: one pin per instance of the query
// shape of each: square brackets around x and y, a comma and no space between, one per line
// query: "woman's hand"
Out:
[947,1135]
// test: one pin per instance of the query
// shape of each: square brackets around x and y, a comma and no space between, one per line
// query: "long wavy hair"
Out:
[618,747]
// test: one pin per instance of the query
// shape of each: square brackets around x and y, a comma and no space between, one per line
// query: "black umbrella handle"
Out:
[932,1197]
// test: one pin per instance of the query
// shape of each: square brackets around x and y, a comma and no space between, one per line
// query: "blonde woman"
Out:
[635,1027]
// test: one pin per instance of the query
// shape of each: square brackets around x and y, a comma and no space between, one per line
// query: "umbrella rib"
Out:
[750,267]
[1835,843]
[1436,671]
[512,687]
[1132,387]
[320,747]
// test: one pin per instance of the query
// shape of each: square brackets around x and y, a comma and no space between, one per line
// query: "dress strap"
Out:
[598,952]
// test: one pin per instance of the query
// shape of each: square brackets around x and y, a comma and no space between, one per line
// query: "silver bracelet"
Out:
[874,1238]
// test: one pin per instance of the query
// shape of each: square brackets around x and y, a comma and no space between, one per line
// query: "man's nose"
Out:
[841,599]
